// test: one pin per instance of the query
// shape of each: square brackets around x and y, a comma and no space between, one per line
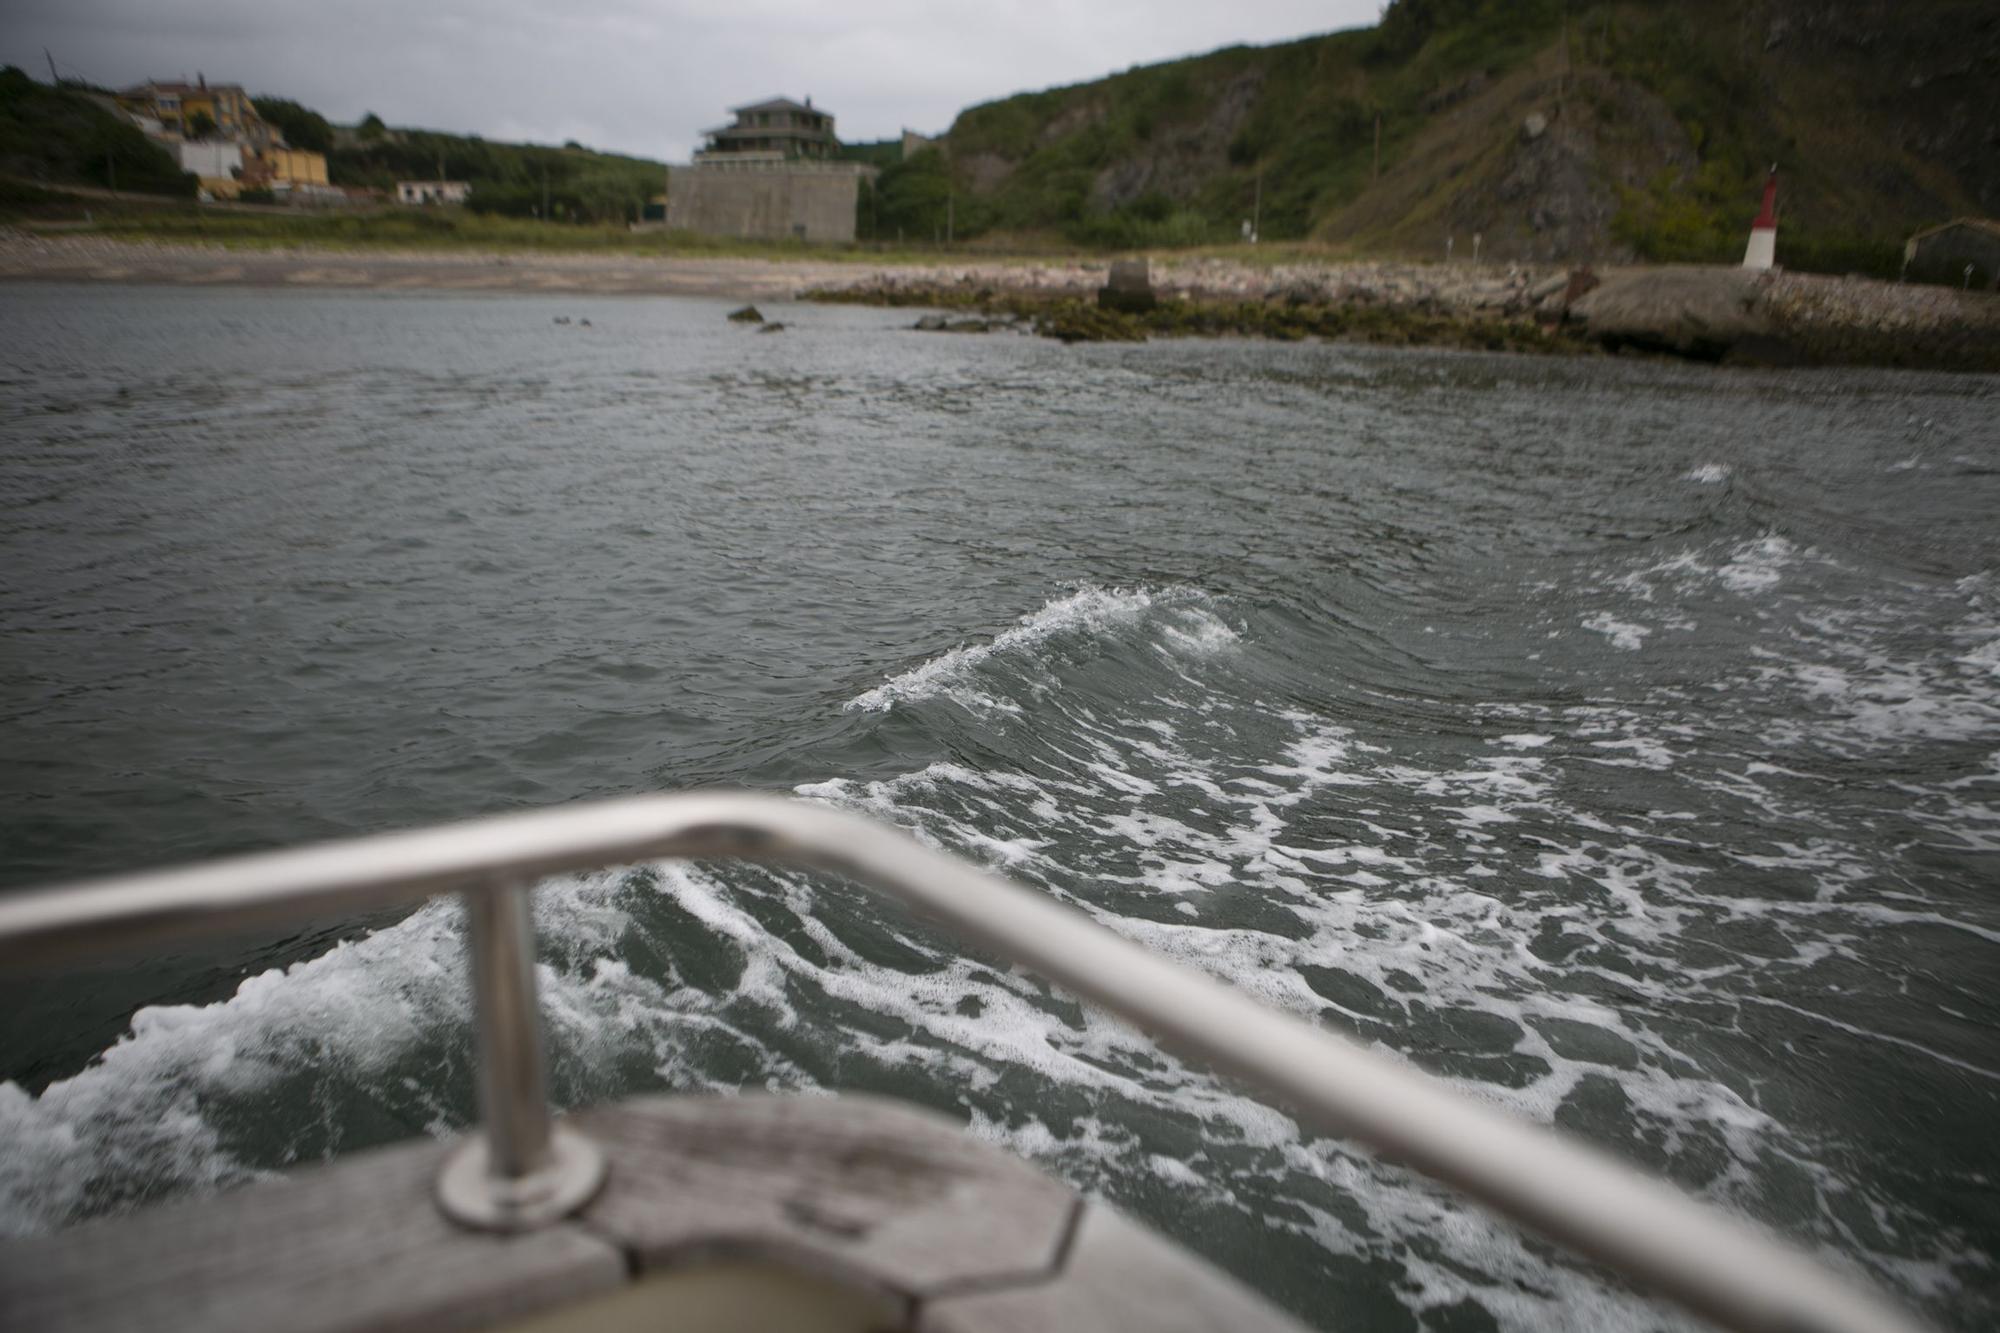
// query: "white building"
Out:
[210,159]
[432,192]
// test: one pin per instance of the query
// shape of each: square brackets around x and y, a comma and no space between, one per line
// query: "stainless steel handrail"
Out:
[521,1172]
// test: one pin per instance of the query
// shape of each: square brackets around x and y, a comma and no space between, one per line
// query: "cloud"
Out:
[632,75]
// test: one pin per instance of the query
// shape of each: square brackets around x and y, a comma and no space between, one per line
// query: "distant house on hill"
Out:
[200,111]
[432,192]
[1943,254]
[216,132]
[793,130]
[772,174]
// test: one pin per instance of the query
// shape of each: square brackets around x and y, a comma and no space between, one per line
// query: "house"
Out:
[774,173]
[1944,254]
[427,193]
[198,111]
[792,130]
[216,132]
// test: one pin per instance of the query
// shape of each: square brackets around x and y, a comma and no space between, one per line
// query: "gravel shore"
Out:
[1804,317]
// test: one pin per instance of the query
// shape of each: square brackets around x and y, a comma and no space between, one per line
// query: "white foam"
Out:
[1708,474]
[1090,610]
[1622,633]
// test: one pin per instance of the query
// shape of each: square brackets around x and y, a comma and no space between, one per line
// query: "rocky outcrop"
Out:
[1705,313]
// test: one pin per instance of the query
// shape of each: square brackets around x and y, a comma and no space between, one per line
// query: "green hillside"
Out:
[70,136]
[577,184]
[1652,126]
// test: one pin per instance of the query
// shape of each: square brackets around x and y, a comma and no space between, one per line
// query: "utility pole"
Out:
[1257,207]
[1563,77]
[54,78]
[950,216]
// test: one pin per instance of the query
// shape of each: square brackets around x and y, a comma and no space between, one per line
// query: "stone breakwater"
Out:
[1443,289]
[1707,313]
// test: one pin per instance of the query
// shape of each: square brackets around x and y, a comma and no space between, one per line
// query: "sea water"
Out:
[1618,740]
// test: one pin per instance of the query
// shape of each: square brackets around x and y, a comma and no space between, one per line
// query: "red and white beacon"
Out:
[1762,251]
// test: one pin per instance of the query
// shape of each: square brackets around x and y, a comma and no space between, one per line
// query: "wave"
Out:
[1186,624]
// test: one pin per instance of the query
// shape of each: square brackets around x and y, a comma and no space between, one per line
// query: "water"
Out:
[1618,740]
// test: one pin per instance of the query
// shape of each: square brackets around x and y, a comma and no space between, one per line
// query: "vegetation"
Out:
[567,184]
[1073,320]
[1663,118]
[61,135]
[301,127]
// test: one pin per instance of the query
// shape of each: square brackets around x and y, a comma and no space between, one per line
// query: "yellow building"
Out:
[296,166]
[196,110]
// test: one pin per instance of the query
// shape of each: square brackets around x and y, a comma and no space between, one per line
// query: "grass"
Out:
[442,231]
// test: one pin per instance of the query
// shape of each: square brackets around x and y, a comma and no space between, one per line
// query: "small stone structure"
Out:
[1941,254]
[1129,289]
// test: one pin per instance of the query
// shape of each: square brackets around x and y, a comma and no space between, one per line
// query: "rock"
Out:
[945,324]
[1129,290]
[1534,127]
[772,328]
[1547,287]
[748,314]
[1696,312]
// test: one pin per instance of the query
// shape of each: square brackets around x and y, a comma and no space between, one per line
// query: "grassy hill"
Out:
[578,184]
[1639,129]
[70,136]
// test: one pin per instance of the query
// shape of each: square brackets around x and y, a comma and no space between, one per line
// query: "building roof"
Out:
[780,104]
[151,89]
[1979,224]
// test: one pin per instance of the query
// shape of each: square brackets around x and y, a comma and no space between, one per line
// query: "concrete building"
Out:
[1942,254]
[772,174]
[432,192]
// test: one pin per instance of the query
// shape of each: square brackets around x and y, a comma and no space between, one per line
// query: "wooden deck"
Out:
[744,1213]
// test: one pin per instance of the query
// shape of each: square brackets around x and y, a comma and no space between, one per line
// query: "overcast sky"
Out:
[637,76]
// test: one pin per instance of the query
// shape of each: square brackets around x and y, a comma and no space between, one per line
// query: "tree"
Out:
[200,125]
[301,126]
[371,127]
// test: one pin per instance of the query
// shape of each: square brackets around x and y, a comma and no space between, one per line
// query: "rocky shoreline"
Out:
[1715,314]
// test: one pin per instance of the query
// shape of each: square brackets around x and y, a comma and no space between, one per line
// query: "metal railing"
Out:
[522,1170]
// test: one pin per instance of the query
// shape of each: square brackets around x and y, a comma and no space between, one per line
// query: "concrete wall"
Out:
[208,158]
[1942,255]
[781,204]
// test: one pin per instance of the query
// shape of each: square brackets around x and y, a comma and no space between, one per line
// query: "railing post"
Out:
[520,1171]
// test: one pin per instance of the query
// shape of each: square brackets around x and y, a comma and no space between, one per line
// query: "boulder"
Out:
[1534,127]
[748,314]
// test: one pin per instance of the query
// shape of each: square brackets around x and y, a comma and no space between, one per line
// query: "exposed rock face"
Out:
[1179,158]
